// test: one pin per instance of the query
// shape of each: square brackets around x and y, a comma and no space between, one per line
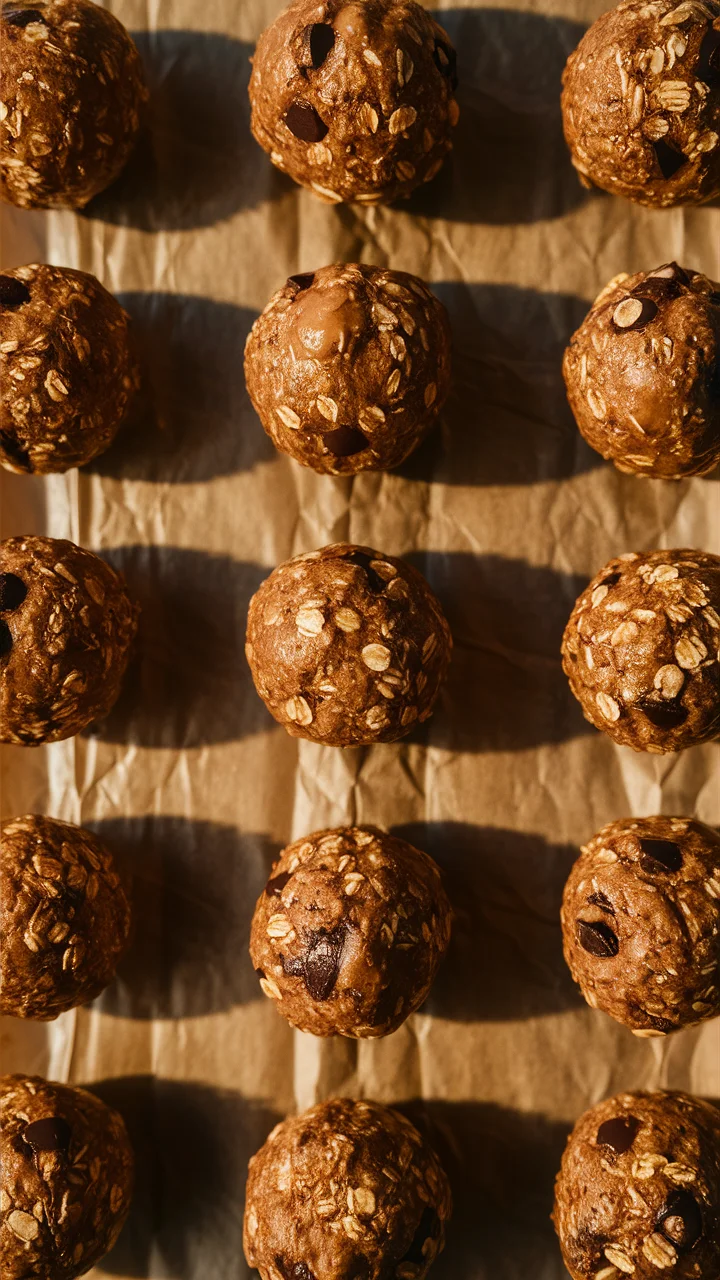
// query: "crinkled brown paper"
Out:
[506,512]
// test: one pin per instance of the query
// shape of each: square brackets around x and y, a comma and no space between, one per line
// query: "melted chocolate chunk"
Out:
[292,1270]
[445,59]
[304,122]
[428,1229]
[12,592]
[603,902]
[320,965]
[707,67]
[18,17]
[669,160]
[6,640]
[321,39]
[618,1134]
[680,1220]
[303,280]
[664,715]
[648,313]
[597,938]
[660,855]
[13,293]
[345,441]
[663,1025]
[274,887]
[49,1134]
[364,561]
[611,579]
[14,451]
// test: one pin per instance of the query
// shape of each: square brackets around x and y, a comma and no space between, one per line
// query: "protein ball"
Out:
[349,932]
[638,1191]
[642,373]
[641,102]
[641,649]
[67,372]
[66,630]
[641,923]
[66,1179]
[347,646]
[64,917]
[72,90]
[355,100]
[345,1189]
[349,366]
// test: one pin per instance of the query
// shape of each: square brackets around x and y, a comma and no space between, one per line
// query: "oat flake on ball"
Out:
[641,102]
[642,649]
[347,646]
[643,373]
[66,630]
[355,99]
[71,95]
[349,366]
[345,1191]
[641,923]
[66,1175]
[67,370]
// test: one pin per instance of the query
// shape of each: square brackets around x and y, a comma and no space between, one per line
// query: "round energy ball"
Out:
[638,1191]
[67,371]
[347,646]
[641,649]
[72,90]
[641,923]
[641,102]
[349,932]
[642,373]
[66,630]
[67,1174]
[348,367]
[355,99]
[64,917]
[345,1189]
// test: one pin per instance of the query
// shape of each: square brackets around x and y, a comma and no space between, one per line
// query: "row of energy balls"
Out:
[348,645]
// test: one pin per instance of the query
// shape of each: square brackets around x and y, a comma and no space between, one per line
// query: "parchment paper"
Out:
[508,515]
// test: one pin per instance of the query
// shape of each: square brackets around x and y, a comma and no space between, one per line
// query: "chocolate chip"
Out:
[14,451]
[663,1025]
[618,1134]
[12,592]
[292,1270]
[660,855]
[597,938]
[345,441]
[22,17]
[680,1220]
[667,714]
[274,887]
[601,901]
[669,160]
[364,561]
[304,122]
[634,313]
[320,965]
[611,579]
[445,59]
[13,293]
[303,281]
[428,1228]
[6,640]
[49,1134]
[707,67]
[321,39]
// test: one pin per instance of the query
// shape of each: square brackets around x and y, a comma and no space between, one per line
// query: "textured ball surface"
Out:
[72,88]
[638,1192]
[642,373]
[349,366]
[345,1189]
[355,100]
[67,371]
[641,102]
[641,649]
[64,917]
[347,646]
[66,630]
[67,1173]
[641,923]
